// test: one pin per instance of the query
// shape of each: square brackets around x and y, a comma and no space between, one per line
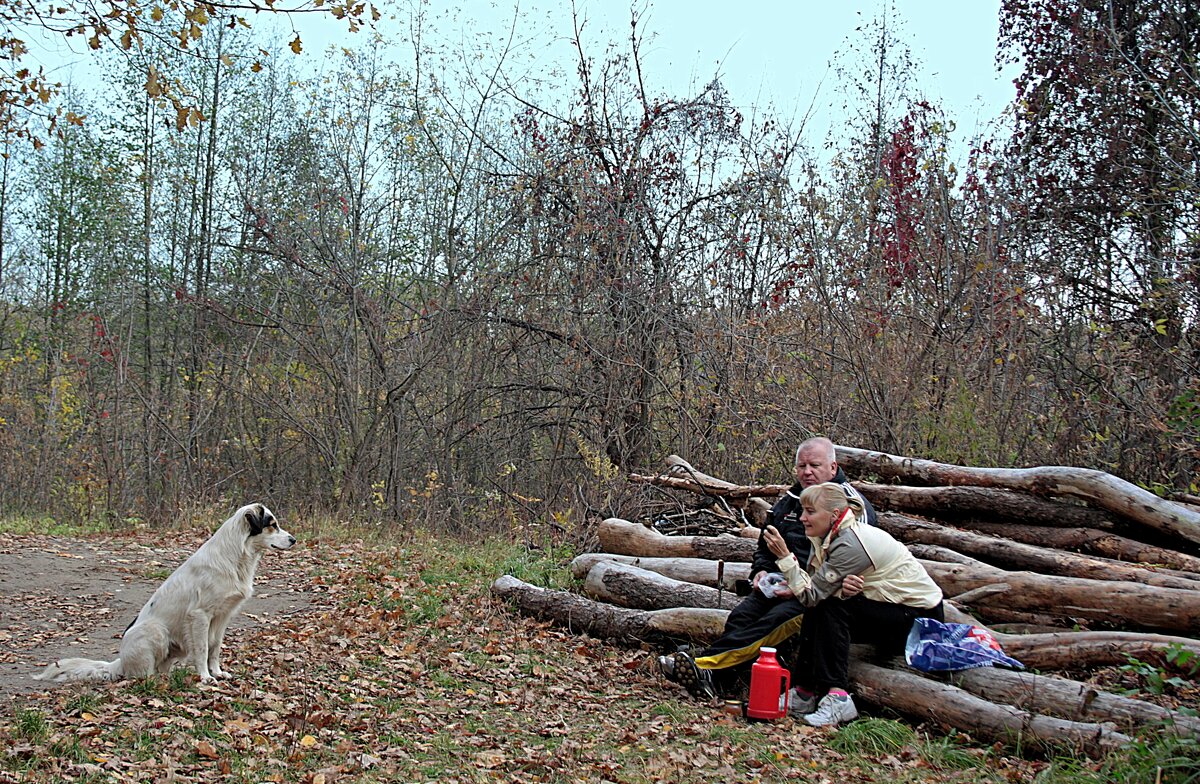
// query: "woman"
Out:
[859,585]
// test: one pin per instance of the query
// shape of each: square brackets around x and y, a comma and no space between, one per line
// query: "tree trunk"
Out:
[700,571]
[1075,650]
[1067,698]
[1131,605]
[1093,541]
[641,589]
[624,537]
[1094,487]
[955,503]
[752,502]
[914,695]
[580,614]
[1015,555]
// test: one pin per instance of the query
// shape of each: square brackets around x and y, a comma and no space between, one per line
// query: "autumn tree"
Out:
[1105,150]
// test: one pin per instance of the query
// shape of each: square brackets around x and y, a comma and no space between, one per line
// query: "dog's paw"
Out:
[218,673]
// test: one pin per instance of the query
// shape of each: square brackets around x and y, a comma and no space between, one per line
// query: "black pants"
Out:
[756,622]
[822,656]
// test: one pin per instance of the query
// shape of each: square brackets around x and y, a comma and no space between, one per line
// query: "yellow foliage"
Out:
[596,461]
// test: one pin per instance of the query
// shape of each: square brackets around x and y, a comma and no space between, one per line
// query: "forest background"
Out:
[416,291]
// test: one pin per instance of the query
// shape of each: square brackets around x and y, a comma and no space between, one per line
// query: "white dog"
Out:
[186,617]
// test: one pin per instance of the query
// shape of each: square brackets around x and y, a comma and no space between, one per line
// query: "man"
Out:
[760,620]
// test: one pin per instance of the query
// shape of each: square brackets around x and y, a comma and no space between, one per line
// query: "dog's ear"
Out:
[257,519]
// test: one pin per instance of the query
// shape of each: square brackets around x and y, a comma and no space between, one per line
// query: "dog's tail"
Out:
[68,670]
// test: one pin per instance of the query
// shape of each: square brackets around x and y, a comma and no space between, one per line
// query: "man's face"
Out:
[813,468]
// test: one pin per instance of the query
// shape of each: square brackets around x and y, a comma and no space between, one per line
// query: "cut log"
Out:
[1097,488]
[1126,604]
[933,552]
[1093,541]
[911,694]
[709,486]
[580,614]
[1026,557]
[753,504]
[629,586]
[700,571]
[1068,699]
[966,503]
[1080,650]
[999,616]
[626,538]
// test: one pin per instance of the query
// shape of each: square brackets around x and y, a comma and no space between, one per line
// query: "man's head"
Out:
[816,462]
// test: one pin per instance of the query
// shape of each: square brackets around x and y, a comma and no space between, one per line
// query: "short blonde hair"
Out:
[832,497]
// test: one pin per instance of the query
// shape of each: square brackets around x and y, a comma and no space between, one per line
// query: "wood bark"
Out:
[1097,488]
[712,487]
[700,571]
[755,506]
[580,614]
[1017,555]
[1127,604]
[912,694]
[1069,699]
[957,503]
[626,538]
[1093,541]
[1075,650]
[630,586]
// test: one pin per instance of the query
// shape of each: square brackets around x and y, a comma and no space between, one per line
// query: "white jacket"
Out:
[890,572]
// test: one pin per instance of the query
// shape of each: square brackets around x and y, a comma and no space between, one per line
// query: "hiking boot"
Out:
[800,704]
[833,710]
[698,681]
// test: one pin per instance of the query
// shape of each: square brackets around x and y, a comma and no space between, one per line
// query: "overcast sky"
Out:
[779,53]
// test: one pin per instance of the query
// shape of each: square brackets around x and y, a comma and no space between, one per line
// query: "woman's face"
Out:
[817,522]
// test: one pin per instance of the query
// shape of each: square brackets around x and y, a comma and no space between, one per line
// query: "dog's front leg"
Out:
[216,638]
[197,628]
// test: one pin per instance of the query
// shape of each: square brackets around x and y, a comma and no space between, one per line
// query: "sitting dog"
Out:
[186,617]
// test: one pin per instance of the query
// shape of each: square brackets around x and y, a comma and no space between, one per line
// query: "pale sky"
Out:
[767,52]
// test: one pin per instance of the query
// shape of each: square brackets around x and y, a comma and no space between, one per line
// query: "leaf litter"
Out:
[397,666]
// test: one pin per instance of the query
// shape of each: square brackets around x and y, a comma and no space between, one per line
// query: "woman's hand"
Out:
[852,585]
[775,542]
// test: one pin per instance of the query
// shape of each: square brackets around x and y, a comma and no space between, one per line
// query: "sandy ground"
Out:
[61,596]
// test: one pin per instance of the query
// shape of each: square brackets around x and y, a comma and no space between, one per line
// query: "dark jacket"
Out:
[785,516]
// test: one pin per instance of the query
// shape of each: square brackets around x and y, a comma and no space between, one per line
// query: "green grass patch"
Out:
[873,737]
[24,525]
[31,724]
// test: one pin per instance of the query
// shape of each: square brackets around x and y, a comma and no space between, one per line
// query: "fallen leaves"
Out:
[411,680]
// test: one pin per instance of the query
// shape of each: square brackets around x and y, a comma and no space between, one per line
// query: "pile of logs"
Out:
[1071,569]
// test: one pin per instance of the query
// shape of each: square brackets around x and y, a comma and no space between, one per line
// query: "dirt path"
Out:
[61,596]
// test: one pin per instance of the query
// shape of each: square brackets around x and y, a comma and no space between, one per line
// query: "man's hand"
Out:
[775,542]
[852,585]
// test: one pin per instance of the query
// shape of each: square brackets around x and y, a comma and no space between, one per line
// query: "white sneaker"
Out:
[833,710]
[798,705]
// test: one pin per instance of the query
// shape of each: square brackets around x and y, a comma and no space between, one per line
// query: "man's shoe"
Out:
[666,665]
[798,704]
[833,710]
[697,681]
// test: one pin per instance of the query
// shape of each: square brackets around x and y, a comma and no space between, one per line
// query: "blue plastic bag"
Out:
[934,646]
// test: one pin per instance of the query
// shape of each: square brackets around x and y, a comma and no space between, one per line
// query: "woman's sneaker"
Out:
[833,710]
[799,704]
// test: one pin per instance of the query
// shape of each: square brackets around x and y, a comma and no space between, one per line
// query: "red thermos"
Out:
[769,685]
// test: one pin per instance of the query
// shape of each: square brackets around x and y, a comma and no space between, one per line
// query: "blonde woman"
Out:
[858,585]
